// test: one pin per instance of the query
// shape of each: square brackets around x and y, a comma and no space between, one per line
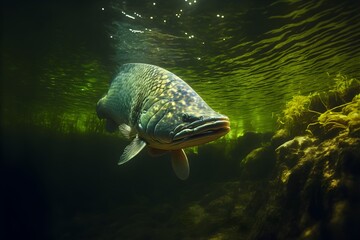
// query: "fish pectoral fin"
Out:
[132,150]
[126,131]
[154,152]
[180,164]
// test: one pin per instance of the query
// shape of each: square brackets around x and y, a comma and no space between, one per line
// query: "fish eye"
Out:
[188,118]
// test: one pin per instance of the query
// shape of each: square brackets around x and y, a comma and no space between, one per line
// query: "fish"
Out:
[156,109]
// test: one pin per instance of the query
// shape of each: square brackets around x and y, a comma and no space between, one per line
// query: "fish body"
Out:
[159,110]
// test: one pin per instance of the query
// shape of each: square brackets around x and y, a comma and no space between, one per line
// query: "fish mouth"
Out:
[200,131]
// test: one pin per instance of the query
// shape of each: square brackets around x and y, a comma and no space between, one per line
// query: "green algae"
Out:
[307,114]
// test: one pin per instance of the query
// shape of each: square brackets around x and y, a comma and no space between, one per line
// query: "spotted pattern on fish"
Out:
[161,110]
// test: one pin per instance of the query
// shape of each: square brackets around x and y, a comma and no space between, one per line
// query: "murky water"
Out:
[244,58]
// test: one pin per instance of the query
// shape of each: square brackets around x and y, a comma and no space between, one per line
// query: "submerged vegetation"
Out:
[323,113]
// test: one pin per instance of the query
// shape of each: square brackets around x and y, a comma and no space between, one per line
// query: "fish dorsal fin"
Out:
[180,164]
[132,150]
[126,131]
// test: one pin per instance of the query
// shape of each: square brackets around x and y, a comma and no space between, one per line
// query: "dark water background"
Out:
[59,177]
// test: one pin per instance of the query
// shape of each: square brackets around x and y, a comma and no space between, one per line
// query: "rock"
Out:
[258,164]
[248,142]
[321,185]
[280,136]
[289,152]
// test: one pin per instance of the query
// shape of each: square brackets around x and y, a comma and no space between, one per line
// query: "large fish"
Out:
[155,108]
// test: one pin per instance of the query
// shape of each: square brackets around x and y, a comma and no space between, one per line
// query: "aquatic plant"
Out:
[292,118]
[344,90]
[344,117]
[342,82]
[322,113]
[329,122]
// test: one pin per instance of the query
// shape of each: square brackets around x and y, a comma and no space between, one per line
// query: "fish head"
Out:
[179,124]
[199,128]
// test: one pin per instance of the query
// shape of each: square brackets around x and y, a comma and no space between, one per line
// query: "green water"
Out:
[59,177]
[245,58]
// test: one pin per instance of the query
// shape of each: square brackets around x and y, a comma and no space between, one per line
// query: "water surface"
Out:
[245,58]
